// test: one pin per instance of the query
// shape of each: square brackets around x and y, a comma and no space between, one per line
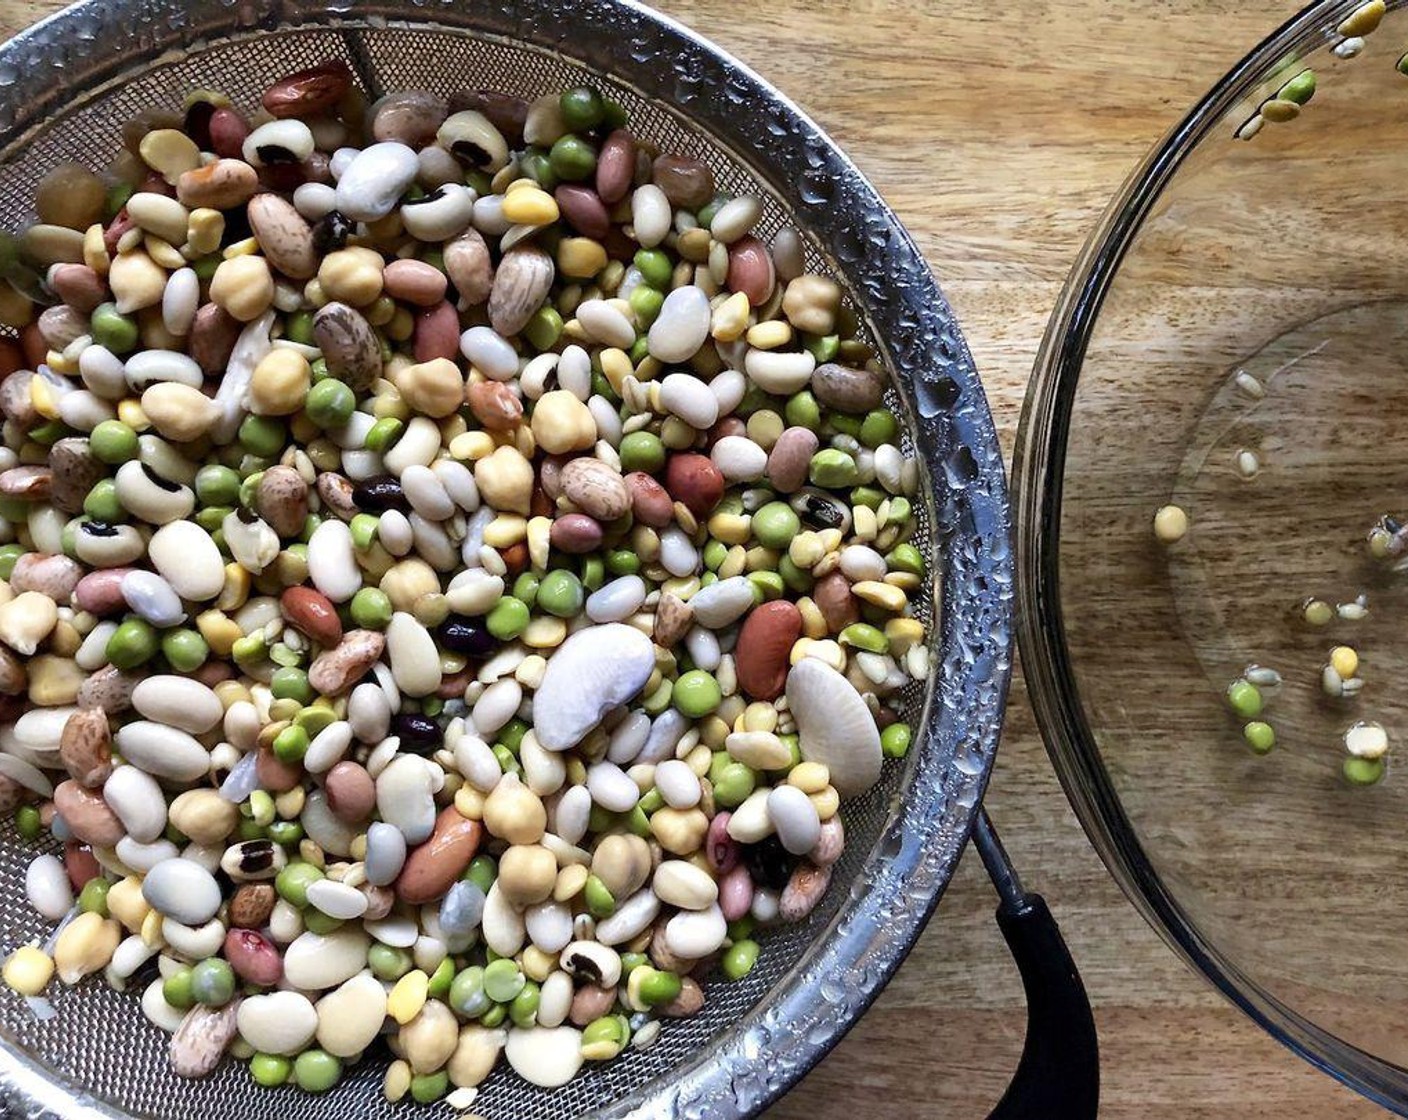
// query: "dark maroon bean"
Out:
[583,210]
[575,533]
[769,863]
[380,494]
[283,177]
[418,734]
[466,636]
[197,123]
[331,231]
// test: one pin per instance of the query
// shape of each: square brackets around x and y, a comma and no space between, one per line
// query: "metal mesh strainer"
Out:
[65,87]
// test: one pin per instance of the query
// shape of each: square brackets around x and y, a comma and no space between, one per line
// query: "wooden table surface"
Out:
[998,132]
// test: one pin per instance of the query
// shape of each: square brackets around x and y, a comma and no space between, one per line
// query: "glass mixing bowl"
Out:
[1234,341]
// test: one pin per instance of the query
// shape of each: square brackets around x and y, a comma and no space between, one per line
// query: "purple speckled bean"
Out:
[830,844]
[100,592]
[51,575]
[575,533]
[735,893]
[253,957]
[722,849]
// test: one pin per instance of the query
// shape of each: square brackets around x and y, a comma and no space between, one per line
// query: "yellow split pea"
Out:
[1170,524]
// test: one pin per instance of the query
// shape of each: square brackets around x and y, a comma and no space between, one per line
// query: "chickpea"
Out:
[351,276]
[434,388]
[280,382]
[242,286]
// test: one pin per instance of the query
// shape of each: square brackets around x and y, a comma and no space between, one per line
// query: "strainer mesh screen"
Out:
[99,1039]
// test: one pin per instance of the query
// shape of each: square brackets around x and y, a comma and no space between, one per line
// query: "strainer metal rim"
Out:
[771,1047]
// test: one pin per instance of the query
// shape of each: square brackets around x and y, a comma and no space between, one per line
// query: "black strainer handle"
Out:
[1058,1077]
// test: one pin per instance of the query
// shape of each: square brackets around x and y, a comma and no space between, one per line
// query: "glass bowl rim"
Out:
[1037,482]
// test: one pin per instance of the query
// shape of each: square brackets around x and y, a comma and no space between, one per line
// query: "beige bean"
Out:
[622,862]
[561,423]
[280,382]
[169,152]
[430,1039]
[85,946]
[505,478]
[811,303]
[680,831]
[475,1055]
[54,681]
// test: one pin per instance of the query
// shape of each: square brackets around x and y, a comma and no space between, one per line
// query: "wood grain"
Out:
[999,132]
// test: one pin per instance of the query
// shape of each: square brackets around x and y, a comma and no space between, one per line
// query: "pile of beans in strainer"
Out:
[453,572]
